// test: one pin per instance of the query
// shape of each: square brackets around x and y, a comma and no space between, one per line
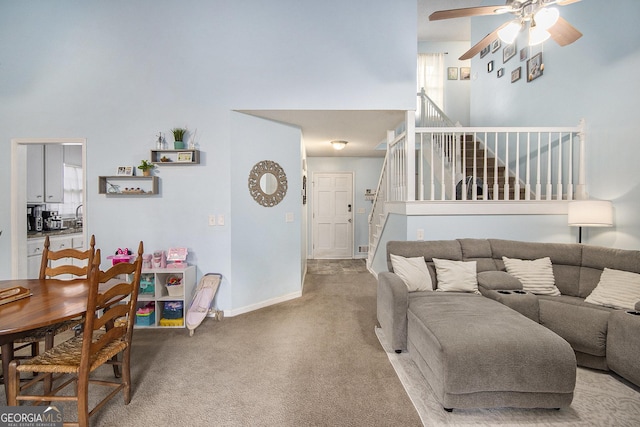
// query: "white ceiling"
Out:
[366,129]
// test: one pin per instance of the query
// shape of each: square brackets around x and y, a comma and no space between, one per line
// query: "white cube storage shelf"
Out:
[153,289]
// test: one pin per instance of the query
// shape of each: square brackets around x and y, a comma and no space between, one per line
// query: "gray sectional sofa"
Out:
[504,346]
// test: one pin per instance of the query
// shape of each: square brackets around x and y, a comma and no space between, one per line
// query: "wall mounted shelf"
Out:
[128,185]
[183,157]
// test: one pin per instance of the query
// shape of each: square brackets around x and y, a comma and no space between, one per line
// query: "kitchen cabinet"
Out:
[154,293]
[35,247]
[45,173]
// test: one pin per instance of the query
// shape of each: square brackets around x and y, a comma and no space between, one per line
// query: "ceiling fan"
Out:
[543,22]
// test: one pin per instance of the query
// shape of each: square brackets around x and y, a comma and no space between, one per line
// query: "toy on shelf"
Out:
[177,258]
[121,255]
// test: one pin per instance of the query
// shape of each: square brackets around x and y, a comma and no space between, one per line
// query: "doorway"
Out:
[19,196]
[332,215]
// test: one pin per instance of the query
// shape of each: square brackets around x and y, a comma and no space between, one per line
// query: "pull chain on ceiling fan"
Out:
[543,22]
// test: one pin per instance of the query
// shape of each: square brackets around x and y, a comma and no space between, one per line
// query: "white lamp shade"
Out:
[590,213]
[547,17]
[509,33]
[537,35]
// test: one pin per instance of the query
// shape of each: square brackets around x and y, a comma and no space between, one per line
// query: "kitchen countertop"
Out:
[53,233]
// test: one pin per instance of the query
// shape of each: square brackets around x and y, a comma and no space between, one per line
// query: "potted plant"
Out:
[145,167]
[178,135]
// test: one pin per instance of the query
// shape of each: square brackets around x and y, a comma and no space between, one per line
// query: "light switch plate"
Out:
[220,219]
[212,220]
[289,217]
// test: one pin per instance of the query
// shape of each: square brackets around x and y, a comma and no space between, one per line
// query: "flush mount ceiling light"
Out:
[339,145]
[544,22]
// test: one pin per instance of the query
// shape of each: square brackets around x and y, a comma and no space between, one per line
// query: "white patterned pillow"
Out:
[536,275]
[456,276]
[617,289]
[413,272]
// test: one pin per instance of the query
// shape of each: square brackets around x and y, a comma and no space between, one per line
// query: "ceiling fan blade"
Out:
[467,11]
[564,33]
[566,2]
[483,43]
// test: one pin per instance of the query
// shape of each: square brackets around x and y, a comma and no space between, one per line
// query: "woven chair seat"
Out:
[40,334]
[65,357]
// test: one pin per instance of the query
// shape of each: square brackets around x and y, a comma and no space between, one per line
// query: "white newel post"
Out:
[410,158]
[389,173]
[581,190]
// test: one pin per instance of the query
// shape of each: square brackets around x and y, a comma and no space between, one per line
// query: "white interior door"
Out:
[332,215]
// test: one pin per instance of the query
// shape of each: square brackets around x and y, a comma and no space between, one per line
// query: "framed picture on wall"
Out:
[535,67]
[485,50]
[509,52]
[495,45]
[524,53]
[500,72]
[465,73]
[489,66]
[452,73]
[516,74]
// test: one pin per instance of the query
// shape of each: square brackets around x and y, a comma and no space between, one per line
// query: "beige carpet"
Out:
[600,400]
[312,361]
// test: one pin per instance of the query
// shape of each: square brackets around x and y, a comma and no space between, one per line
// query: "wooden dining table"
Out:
[51,301]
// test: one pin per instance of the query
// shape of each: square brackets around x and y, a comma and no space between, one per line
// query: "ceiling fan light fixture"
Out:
[509,33]
[547,17]
[339,145]
[537,35]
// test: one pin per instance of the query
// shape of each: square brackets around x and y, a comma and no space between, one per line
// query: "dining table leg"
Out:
[7,357]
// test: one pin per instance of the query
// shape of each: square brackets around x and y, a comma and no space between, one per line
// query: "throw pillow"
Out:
[413,272]
[535,275]
[617,289]
[456,276]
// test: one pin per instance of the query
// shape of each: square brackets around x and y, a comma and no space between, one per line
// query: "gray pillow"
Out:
[498,280]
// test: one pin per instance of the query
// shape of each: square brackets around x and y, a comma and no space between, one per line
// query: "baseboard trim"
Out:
[262,304]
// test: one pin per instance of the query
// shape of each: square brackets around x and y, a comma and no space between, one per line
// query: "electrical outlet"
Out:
[420,233]
[288,217]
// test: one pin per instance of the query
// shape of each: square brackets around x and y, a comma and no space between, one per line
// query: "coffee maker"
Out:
[51,220]
[34,218]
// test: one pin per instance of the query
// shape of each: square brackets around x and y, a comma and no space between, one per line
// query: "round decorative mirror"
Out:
[267,183]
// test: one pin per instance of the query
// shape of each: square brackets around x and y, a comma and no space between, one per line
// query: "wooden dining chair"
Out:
[108,331]
[48,333]
[53,265]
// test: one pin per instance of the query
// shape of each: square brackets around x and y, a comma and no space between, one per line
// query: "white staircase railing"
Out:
[440,161]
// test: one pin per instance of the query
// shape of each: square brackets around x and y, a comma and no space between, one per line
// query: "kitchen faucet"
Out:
[78,220]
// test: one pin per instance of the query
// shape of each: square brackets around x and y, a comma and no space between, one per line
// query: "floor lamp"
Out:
[590,213]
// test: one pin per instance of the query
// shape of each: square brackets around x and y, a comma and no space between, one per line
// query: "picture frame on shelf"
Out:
[465,73]
[495,45]
[535,67]
[124,171]
[485,50]
[509,52]
[184,157]
[452,73]
[516,74]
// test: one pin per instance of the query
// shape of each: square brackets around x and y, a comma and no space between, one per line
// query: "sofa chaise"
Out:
[515,339]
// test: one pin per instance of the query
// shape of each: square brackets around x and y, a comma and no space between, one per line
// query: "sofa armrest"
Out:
[392,304]
[498,280]
[638,306]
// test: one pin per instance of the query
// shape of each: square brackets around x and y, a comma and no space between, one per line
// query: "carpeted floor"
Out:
[315,361]
[312,361]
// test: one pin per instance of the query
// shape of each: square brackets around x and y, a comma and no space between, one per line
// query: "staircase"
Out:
[473,157]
